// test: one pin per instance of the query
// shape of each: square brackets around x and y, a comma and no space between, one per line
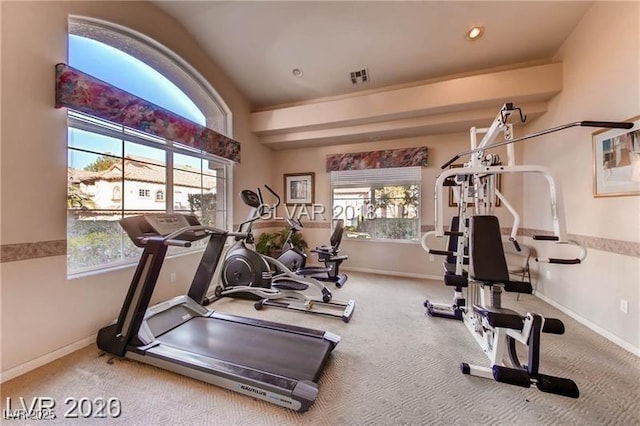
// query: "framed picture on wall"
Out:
[299,188]
[616,161]
[452,199]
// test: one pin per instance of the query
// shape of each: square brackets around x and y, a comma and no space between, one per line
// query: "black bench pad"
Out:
[500,317]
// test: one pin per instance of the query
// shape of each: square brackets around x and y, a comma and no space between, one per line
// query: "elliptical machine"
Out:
[247,274]
[296,260]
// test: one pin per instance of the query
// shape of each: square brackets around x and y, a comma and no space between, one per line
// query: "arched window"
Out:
[113,169]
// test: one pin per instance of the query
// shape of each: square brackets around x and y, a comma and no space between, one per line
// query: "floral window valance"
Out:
[407,157]
[83,93]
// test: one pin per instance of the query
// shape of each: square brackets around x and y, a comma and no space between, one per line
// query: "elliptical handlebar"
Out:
[274,194]
[259,208]
[294,223]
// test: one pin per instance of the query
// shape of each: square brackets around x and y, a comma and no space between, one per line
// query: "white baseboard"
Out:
[45,359]
[393,273]
[601,331]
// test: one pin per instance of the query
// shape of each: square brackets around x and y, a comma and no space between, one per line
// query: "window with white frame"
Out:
[378,204]
[114,171]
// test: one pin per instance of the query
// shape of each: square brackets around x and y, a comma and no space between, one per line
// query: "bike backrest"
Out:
[336,236]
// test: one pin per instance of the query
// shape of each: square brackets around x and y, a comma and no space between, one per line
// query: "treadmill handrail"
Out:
[194,228]
[172,240]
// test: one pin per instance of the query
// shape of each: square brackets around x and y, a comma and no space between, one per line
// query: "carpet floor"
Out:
[393,366]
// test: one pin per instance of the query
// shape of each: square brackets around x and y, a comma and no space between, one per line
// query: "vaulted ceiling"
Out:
[410,50]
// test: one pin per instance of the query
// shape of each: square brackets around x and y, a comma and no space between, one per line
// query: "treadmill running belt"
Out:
[285,354]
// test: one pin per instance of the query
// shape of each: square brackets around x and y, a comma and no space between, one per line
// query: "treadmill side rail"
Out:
[272,325]
[291,394]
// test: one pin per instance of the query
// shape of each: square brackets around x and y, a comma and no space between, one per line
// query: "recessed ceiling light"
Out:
[297,72]
[474,33]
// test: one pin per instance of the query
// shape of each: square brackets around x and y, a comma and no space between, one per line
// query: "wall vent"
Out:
[359,76]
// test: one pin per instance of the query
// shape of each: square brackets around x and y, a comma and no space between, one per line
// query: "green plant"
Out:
[271,243]
[267,243]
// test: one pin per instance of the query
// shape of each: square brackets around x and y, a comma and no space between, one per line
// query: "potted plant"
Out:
[271,243]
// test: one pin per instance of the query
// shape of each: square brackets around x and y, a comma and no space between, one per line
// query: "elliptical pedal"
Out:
[290,285]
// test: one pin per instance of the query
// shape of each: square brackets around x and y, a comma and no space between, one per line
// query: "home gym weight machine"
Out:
[247,274]
[475,239]
[274,362]
[296,260]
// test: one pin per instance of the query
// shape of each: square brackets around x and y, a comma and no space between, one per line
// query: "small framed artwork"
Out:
[452,199]
[616,161]
[299,188]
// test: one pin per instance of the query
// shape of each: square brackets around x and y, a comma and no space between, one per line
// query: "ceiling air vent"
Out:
[360,76]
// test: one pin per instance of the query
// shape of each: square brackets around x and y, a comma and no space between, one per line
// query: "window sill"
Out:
[121,266]
[373,240]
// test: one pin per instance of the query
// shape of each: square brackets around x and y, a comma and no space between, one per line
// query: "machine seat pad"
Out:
[518,287]
[500,317]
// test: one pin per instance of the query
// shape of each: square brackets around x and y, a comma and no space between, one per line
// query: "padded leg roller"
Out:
[558,386]
[553,326]
[511,376]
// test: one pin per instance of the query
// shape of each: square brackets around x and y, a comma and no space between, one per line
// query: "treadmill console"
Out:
[164,224]
[161,224]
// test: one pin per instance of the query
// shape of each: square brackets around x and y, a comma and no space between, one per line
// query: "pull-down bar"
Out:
[603,124]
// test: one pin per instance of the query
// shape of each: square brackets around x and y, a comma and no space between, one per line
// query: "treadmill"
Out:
[274,362]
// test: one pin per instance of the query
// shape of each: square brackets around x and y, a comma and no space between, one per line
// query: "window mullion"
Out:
[123,195]
[169,183]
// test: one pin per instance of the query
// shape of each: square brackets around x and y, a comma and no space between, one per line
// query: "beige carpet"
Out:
[393,366]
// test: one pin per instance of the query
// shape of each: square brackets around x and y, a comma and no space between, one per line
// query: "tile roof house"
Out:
[141,186]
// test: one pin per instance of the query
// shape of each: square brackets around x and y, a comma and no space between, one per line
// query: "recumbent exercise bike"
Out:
[296,260]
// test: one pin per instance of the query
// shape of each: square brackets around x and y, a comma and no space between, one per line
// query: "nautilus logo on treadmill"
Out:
[253,390]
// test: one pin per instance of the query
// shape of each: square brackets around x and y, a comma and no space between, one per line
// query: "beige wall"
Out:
[601,60]
[42,311]
[399,257]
